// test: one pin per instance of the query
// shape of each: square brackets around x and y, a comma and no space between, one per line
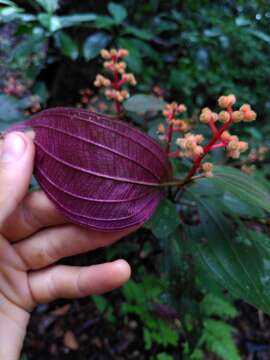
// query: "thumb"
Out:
[16,166]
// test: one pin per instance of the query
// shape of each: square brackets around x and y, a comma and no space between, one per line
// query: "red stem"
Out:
[116,84]
[213,127]
[208,147]
[169,138]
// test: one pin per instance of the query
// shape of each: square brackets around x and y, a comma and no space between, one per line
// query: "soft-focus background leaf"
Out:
[143,103]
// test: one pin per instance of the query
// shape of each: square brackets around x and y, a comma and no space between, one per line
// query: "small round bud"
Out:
[130,78]
[224,116]
[225,136]
[231,99]
[161,129]
[226,101]
[233,145]
[181,142]
[214,116]
[122,53]
[206,116]
[102,81]
[242,146]
[199,138]
[113,52]
[105,54]
[245,107]
[181,108]
[190,143]
[249,115]
[237,116]
[207,169]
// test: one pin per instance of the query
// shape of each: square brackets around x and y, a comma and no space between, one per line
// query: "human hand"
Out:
[33,236]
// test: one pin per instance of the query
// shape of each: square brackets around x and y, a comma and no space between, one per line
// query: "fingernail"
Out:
[13,148]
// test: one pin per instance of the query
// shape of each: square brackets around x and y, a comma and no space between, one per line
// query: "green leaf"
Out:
[8,3]
[9,12]
[164,221]
[242,267]
[49,5]
[242,186]
[76,19]
[50,22]
[100,302]
[217,337]
[134,59]
[10,109]
[164,356]
[105,22]
[94,43]
[41,91]
[213,305]
[67,46]
[260,35]
[240,208]
[139,33]
[142,103]
[118,12]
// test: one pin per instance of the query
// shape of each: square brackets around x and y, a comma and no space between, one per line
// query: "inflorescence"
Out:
[191,145]
[115,65]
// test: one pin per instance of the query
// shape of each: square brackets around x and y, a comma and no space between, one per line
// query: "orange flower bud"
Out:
[224,116]
[181,108]
[249,116]
[245,107]
[181,142]
[199,138]
[233,145]
[190,143]
[226,101]
[225,136]
[122,53]
[214,116]
[124,93]
[237,116]
[102,81]
[206,116]
[130,78]
[242,146]
[231,99]
[207,169]
[109,65]
[113,52]
[197,150]
[183,126]
[105,54]
[111,94]
[161,129]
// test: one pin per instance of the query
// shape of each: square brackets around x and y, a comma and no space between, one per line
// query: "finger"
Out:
[74,282]
[16,166]
[47,246]
[35,212]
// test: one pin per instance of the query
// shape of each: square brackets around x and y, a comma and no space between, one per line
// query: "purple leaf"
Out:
[101,173]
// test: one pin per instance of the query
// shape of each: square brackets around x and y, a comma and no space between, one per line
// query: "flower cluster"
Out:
[191,146]
[171,113]
[117,68]
[258,154]
[13,87]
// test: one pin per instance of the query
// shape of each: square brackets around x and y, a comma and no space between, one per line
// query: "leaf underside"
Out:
[100,172]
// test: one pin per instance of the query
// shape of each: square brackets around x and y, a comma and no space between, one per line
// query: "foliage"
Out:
[213,232]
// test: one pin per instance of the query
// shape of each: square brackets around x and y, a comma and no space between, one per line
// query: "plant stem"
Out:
[169,138]
[208,147]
